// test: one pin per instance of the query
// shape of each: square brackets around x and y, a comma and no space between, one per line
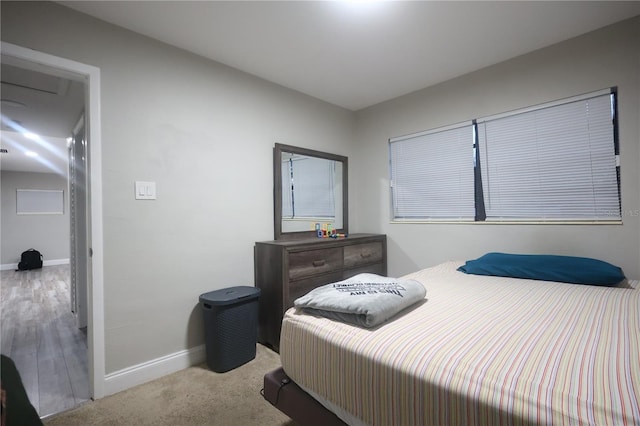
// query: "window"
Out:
[432,174]
[553,162]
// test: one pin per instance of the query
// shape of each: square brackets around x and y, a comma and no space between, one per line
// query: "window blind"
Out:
[555,162]
[311,183]
[432,174]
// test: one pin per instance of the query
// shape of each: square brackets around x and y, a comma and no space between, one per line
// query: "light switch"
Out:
[145,190]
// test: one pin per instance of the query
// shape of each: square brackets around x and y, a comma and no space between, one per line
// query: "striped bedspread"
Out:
[479,350]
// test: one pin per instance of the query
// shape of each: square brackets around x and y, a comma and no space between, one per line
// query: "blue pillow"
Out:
[567,269]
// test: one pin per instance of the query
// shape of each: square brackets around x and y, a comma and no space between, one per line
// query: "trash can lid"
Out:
[230,295]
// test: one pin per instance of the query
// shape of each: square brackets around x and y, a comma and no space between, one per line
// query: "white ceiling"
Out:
[359,53]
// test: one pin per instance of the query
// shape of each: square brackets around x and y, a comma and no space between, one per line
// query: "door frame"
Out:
[90,76]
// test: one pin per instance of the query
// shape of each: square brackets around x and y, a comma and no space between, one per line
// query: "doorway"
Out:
[92,236]
[44,310]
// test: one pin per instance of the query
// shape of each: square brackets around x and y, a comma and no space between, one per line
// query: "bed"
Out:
[477,350]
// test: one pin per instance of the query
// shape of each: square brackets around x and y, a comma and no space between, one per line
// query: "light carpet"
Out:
[194,396]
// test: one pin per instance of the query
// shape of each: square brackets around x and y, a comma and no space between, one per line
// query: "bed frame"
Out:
[288,397]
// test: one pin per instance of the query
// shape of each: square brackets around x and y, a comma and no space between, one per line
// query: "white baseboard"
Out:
[153,369]
[55,262]
[10,266]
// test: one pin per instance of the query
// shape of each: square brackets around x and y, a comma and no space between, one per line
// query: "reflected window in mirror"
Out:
[311,192]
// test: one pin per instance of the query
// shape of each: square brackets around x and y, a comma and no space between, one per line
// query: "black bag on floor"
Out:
[30,259]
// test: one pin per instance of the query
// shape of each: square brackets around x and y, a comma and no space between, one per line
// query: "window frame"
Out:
[480,212]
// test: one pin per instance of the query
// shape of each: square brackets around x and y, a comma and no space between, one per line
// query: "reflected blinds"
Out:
[310,188]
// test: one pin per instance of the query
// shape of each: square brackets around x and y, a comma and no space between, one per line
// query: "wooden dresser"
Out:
[286,270]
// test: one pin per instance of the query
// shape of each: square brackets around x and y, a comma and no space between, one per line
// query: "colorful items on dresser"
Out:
[326,230]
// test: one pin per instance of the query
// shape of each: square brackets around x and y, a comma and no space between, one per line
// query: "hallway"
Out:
[38,332]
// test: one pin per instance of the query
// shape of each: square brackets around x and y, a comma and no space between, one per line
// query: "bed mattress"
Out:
[478,350]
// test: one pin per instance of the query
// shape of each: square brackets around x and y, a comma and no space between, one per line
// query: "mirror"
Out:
[310,187]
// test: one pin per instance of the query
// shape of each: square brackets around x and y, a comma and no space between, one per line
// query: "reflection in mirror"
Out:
[311,192]
[310,187]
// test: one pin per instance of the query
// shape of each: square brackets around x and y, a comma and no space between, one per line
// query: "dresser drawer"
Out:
[314,262]
[362,254]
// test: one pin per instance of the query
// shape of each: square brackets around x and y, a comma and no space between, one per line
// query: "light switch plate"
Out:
[145,190]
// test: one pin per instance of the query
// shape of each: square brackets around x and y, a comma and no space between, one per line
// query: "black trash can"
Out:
[231,326]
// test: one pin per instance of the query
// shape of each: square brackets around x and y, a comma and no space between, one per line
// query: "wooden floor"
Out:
[38,332]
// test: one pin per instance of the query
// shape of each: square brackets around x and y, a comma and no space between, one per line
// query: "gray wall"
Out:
[605,58]
[48,234]
[204,133]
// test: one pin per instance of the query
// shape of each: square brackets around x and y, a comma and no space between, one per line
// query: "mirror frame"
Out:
[277,190]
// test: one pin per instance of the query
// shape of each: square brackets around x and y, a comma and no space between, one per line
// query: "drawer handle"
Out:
[365,255]
[318,263]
